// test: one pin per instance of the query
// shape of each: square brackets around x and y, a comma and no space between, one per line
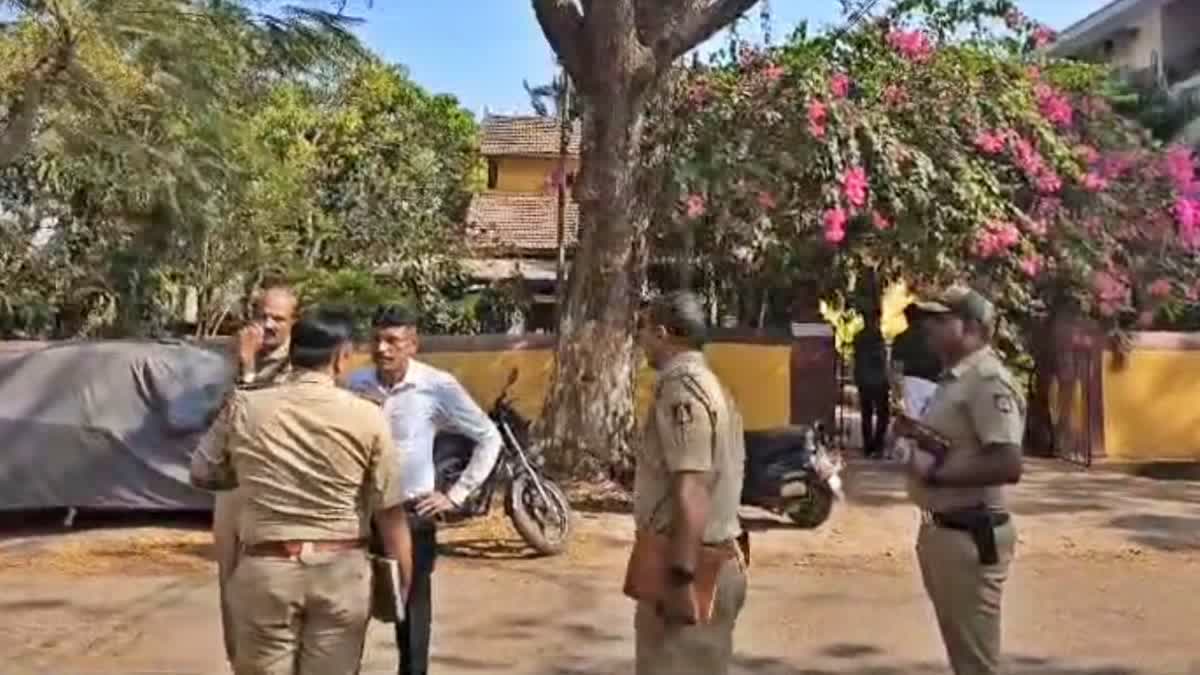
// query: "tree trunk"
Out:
[589,412]
[616,52]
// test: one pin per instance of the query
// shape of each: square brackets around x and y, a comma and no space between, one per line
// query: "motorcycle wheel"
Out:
[545,527]
[814,508]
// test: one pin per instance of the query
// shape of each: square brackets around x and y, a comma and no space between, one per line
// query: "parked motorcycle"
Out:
[792,471]
[538,508]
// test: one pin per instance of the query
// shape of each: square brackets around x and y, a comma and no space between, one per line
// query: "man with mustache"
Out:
[261,353]
[419,401]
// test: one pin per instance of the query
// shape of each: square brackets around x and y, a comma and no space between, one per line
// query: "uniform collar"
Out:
[970,361]
[682,360]
[275,361]
[312,377]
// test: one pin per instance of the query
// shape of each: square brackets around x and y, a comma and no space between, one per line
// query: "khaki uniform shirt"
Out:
[312,460]
[269,369]
[693,425]
[977,403]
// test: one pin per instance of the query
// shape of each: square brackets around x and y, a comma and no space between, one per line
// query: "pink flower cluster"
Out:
[1034,166]
[839,85]
[766,200]
[1111,290]
[1043,36]
[695,206]
[996,238]
[1160,289]
[1032,264]
[1054,105]
[835,225]
[1181,168]
[913,45]
[854,186]
[1187,214]
[1095,182]
[895,94]
[773,72]
[991,142]
[880,221]
[817,116]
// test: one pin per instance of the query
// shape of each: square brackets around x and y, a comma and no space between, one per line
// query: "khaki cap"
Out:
[963,301]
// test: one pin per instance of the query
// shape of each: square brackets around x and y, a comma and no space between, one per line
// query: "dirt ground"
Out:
[1106,583]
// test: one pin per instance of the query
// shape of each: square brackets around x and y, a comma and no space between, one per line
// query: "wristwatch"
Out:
[680,575]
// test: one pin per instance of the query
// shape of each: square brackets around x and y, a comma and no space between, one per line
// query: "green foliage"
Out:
[927,147]
[193,151]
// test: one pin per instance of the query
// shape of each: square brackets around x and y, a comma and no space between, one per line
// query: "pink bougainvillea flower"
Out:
[1095,182]
[839,85]
[698,94]
[1111,290]
[1049,183]
[817,113]
[1145,318]
[773,72]
[895,94]
[991,142]
[912,44]
[996,238]
[1193,293]
[1088,154]
[1037,228]
[695,206]
[766,200]
[880,221]
[1187,215]
[1181,168]
[1160,289]
[1043,36]
[1031,264]
[854,186]
[1034,73]
[1054,105]
[835,225]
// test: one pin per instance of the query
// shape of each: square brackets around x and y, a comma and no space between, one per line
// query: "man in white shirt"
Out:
[419,401]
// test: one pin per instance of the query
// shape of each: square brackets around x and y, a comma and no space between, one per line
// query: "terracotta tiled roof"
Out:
[518,222]
[525,136]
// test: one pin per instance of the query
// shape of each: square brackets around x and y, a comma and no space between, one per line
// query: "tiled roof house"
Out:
[517,215]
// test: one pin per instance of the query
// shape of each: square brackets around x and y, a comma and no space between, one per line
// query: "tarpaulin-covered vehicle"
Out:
[105,425]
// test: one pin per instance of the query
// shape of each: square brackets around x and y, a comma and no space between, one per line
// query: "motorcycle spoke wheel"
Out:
[544,526]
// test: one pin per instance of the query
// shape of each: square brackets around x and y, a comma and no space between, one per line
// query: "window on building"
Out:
[493,174]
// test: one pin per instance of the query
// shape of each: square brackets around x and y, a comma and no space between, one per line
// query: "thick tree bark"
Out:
[617,52]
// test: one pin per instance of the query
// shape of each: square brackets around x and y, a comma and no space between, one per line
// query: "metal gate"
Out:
[1068,379]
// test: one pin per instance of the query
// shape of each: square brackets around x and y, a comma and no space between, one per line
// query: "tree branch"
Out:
[22,116]
[696,24]
[562,22]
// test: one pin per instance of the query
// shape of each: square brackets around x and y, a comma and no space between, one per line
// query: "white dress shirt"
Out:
[425,402]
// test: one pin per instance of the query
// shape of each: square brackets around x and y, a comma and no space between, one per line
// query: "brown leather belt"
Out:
[292,549]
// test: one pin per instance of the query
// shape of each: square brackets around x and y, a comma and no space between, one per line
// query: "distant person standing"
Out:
[260,350]
[968,449]
[915,360]
[313,463]
[871,380]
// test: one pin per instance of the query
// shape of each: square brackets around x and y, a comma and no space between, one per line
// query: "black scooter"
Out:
[792,471]
[538,508]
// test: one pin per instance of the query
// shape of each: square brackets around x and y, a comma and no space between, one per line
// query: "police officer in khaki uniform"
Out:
[313,462]
[969,448]
[687,487]
[260,350]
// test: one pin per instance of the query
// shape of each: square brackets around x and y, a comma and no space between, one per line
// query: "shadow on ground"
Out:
[865,659]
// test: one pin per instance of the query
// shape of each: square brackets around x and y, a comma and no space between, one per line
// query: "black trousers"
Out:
[873,403]
[412,634]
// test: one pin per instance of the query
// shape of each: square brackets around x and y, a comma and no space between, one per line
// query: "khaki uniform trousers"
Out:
[302,616]
[226,509]
[966,595]
[706,649]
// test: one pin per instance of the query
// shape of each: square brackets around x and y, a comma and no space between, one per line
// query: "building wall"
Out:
[1137,53]
[527,174]
[1180,30]
[763,376]
[1152,400]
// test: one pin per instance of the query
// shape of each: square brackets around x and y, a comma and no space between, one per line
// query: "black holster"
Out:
[981,524]
[743,542]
